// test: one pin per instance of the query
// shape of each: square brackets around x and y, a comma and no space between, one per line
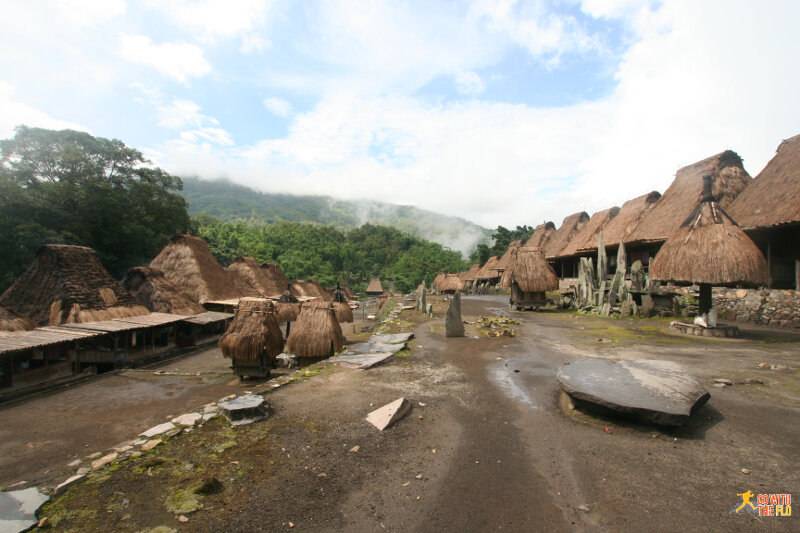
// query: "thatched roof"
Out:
[374,286]
[532,272]
[472,273]
[773,197]
[619,227]
[589,234]
[274,278]
[68,284]
[451,283]
[505,259]
[254,280]
[253,332]
[11,321]
[188,264]
[316,333]
[541,236]
[310,289]
[154,291]
[709,248]
[561,237]
[488,271]
[438,279]
[678,201]
[341,309]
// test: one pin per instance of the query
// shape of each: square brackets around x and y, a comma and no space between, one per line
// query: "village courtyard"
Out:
[491,443]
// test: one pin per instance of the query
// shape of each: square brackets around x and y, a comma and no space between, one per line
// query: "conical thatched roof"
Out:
[532,272]
[729,179]
[773,197]
[253,332]
[251,279]
[541,236]
[310,289]
[561,237]
[11,321]
[275,280]
[188,264]
[287,306]
[709,248]
[588,235]
[68,284]
[451,284]
[438,279]
[471,274]
[505,260]
[154,291]
[374,286]
[316,333]
[341,309]
[488,271]
[629,216]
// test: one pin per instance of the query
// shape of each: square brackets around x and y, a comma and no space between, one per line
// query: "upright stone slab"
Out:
[626,309]
[647,305]
[453,326]
[651,391]
[613,292]
[637,276]
[622,258]
[429,310]
[423,300]
[602,260]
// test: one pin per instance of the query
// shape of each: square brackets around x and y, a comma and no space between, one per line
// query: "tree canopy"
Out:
[502,238]
[71,187]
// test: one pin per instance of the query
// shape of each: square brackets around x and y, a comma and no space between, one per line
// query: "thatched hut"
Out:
[620,227]
[189,265]
[253,339]
[560,239]
[11,321]
[588,235]
[316,333]
[68,284]
[437,280]
[769,211]
[470,276]
[310,289]
[532,276]
[505,261]
[341,309]
[451,284]
[374,288]
[709,249]
[252,279]
[275,281]
[729,178]
[541,236]
[153,290]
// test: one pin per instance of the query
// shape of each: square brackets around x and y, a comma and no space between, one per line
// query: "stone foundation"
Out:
[722,330]
[767,307]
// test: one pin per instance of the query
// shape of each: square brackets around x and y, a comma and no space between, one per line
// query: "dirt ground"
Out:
[490,445]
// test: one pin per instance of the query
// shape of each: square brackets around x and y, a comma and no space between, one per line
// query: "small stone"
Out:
[354,449]
[158,430]
[189,419]
[149,445]
[745,471]
[103,461]
[94,456]
[724,381]
[753,381]
[44,523]
[75,463]
[123,449]
[419,476]
[136,453]
[720,385]
[182,519]
[82,471]
[583,508]
[69,481]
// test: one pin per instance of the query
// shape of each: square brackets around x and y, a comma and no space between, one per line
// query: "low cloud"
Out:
[179,61]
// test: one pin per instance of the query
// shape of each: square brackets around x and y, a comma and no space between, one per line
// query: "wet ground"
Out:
[491,443]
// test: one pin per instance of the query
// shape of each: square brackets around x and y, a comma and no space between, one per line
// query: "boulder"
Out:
[453,326]
[650,391]
[647,306]
[637,276]
[245,409]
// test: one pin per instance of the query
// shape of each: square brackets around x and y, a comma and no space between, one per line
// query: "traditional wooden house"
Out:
[153,290]
[253,339]
[541,236]
[437,280]
[275,281]
[561,238]
[729,178]
[68,284]
[451,284]
[250,279]
[470,277]
[531,277]
[709,249]
[189,265]
[487,276]
[374,288]
[568,258]
[768,210]
[310,289]
[316,334]
[505,261]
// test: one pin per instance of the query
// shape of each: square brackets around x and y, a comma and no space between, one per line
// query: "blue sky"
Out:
[500,111]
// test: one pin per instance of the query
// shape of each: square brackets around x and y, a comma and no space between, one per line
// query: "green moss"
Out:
[183,502]
[225,446]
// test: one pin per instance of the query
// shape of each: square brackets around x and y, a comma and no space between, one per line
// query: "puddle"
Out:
[503,376]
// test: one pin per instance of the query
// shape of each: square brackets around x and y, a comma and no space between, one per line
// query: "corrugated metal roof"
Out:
[208,317]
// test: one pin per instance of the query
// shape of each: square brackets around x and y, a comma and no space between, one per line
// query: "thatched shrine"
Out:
[189,265]
[253,339]
[254,280]
[68,284]
[316,334]
[532,276]
[709,249]
[341,306]
[153,290]
[451,284]
[374,288]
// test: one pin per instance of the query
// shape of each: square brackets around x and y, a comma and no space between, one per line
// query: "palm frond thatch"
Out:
[316,333]
[619,227]
[451,284]
[253,280]
[532,272]
[341,309]
[253,336]
[153,290]
[561,237]
[587,236]
[11,321]
[68,284]
[374,286]
[541,236]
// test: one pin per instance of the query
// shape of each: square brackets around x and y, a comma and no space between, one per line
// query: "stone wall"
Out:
[768,307]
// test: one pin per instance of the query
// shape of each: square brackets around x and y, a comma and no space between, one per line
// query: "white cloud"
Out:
[90,12]
[278,106]
[16,113]
[210,135]
[179,61]
[181,114]
[211,19]
[254,43]
[469,82]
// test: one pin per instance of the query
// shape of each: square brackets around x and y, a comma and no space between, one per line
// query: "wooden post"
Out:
[797,275]
[769,262]
[705,298]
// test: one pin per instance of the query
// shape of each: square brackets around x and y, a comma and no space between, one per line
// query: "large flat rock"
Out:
[391,338]
[652,391]
[18,509]
[245,409]
[374,347]
[362,361]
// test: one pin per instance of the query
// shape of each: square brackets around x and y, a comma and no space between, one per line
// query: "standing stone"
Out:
[602,260]
[601,294]
[647,305]
[429,310]
[616,283]
[637,276]
[453,326]
[622,258]
[422,299]
[626,309]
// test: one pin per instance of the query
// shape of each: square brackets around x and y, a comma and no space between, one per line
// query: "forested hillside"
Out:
[231,203]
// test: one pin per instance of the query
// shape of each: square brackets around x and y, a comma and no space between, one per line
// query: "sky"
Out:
[499,111]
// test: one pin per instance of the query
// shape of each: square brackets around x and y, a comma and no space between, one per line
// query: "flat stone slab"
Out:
[18,509]
[189,419]
[103,461]
[158,430]
[651,391]
[245,409]
[391,338]
[362,361]
[390,413]
[286,360]
[374,347]
[720,330]
[69,481]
